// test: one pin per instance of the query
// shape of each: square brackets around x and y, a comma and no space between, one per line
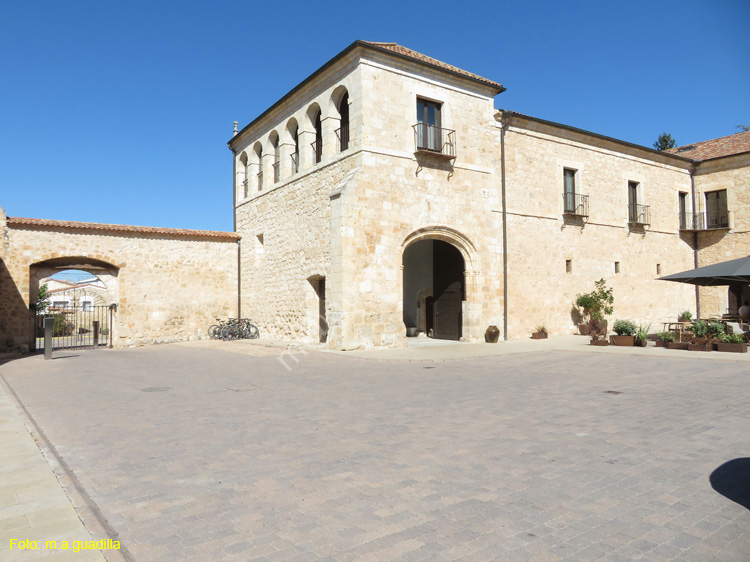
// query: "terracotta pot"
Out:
[700,347]
[677,345]
[599,342]
[492,334]
[622,340]
[640,343]
[539,336]
[660,343]
[733,347]
[583,329]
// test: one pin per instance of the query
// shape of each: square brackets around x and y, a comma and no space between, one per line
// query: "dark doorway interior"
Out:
[435,270]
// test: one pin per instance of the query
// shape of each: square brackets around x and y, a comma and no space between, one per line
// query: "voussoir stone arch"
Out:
[334,101]
[446,234]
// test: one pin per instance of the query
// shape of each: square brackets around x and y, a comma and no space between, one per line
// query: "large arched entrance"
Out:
[80,294]
[434,289]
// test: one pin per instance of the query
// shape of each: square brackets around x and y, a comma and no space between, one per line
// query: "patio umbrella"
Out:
[725,273]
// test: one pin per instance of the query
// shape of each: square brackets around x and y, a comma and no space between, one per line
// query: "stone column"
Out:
[330,140]
[267,168]
[285,160]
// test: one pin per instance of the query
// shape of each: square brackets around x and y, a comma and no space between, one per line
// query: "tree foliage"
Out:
[665,142]
[744,128]
[42,297]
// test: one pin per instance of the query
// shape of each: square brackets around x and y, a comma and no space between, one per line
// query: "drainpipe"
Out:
[234,225]
[695,244]
[505,124]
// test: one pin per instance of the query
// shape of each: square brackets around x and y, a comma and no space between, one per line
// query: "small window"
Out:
[658,269]
[568,266]
[617,267]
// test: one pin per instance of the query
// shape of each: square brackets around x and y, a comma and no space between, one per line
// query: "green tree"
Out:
[664,142]
[42,298]
[744,128]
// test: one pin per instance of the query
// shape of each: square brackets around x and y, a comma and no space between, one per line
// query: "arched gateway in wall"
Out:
[438,269]
[78,321]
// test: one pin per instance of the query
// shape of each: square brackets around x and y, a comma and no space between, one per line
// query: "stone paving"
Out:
[192,453]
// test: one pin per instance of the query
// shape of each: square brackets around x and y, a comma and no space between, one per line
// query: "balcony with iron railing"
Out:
[342,135]
[434,140]
[706,220]
[576,204]
[639,215]
[295,162]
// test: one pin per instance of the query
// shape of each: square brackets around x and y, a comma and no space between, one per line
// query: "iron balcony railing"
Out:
[295,163]
[275,172]
[705,220]
[260,181]
[317,148]
[342,134]
[576,204]
[435,140]
[639,214]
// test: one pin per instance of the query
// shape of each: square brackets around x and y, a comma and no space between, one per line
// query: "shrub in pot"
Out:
[595,305]
[539,333]
[701,340]
[664,338]
[685,316]
[641,336]
[734,343]
[626,331]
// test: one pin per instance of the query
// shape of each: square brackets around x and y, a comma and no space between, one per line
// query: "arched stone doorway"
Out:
[75,305]
[434,288]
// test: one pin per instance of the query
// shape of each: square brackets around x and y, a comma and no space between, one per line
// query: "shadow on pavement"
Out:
[732,480]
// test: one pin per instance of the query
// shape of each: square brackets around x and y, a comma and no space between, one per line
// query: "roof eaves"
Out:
[597,135]
[346,51]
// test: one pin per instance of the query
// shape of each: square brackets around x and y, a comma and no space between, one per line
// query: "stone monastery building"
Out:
[386,194]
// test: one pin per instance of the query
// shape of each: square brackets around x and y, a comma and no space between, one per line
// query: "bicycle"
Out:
[233,329]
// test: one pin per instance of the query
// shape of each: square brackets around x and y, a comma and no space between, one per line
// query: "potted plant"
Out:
[685,316]
[641,336]
[715,331]
[701,340]
[595,306]
[625,330]
[585,303]
[665,338]
[734,343]
[539,333]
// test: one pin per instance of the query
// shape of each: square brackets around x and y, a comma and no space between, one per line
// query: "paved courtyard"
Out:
[184,452]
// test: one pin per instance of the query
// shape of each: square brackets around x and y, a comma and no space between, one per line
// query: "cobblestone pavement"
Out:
[193,453]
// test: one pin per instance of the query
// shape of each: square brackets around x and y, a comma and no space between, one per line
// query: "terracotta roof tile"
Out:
[715,148]
[401,50]
[20,221]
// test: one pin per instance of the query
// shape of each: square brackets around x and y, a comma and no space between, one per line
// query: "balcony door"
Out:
[633,201]
[428,134]
[716,209]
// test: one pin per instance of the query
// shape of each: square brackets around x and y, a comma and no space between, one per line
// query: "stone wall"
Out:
[552,258]
[169,285]
[732,174]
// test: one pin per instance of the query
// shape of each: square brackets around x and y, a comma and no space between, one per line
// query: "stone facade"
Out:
[349,218]
[732,174]
[168,284]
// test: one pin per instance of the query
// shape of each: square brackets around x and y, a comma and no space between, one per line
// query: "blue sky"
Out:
[120,112]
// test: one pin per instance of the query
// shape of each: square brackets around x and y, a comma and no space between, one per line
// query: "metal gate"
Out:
[76,326]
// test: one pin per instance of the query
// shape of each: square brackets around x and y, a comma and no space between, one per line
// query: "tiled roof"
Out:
[20,221]
[399,49]
[715,148]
